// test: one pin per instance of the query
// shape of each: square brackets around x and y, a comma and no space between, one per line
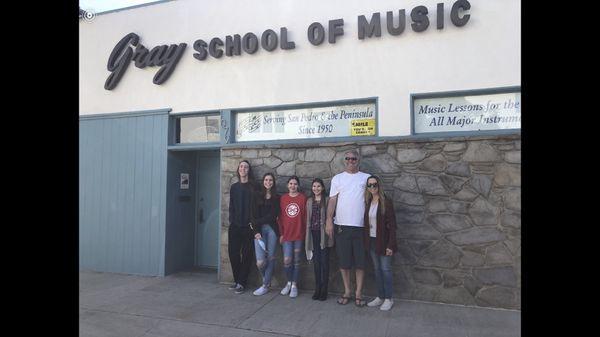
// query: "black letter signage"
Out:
[200,47]
[460,4]
[119,59]
[316,33]
[163,56]
[167,56]
[420,19]
[250,43]
[401,22]
[269,40]
[285,44]
[366,28]
[336,28]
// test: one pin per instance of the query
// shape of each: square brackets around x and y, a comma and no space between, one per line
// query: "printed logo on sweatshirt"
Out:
[292,210]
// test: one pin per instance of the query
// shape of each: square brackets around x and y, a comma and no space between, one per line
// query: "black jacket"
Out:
[265,212]
[240,201]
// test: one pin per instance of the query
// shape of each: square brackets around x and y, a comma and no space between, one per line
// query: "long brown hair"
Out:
[297,181]
[380,192]
[323,193]
[250,175]
[263,190]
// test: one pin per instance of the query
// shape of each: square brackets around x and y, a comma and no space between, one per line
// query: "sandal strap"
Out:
[344,299]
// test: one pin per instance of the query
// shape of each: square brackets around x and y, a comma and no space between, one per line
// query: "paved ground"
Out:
[195,304]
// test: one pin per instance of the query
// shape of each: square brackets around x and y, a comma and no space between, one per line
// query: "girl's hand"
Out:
[388,252]
[257,236]
[281,240]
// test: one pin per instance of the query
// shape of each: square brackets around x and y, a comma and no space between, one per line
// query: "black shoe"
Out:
[317,293]
[323,293]
[240,289]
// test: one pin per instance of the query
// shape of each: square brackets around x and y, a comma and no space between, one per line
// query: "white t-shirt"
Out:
[350,189]
[373,220]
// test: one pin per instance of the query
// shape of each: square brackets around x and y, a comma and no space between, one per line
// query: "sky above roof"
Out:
[99,6]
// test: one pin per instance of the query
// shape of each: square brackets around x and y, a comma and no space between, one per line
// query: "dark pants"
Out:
[350,247]
[240,253]
[320,261]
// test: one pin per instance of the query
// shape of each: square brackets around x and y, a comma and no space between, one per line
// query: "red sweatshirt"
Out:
[292,218]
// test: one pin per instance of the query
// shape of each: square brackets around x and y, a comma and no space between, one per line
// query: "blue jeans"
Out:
[291,259]
[383,272]
[265,261]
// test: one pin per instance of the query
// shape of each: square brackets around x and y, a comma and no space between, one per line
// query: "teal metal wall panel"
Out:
[122,193]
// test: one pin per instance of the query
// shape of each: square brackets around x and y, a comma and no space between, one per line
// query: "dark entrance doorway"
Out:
[193,216]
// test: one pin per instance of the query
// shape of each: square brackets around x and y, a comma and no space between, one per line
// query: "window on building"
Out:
[198,129]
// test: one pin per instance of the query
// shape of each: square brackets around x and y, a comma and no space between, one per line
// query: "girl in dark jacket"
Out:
[266,232]
[380,239]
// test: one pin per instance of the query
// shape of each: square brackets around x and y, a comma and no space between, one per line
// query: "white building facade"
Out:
[184,90]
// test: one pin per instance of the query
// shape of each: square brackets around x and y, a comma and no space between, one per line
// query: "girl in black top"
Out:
[265,209]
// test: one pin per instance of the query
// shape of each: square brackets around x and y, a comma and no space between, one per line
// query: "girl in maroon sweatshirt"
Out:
[292,227]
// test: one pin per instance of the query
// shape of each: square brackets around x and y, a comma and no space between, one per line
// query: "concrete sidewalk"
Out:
[195,304]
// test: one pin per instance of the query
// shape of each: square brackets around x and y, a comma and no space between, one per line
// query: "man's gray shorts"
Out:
[350,247]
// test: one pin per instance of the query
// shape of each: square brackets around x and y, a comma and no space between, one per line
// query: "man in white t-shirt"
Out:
[347,200]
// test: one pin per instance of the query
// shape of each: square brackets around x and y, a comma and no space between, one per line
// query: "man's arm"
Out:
[330,210]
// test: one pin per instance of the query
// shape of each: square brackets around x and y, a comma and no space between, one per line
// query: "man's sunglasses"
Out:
[351,158]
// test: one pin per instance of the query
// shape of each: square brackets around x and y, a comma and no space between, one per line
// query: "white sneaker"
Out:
[387,304]
[294,292]
[286,289]
[375,303]
[261,291]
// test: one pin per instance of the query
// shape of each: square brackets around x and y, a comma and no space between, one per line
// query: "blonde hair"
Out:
[380,192]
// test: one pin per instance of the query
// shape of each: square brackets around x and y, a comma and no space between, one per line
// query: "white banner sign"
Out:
[335,121]
[467,113]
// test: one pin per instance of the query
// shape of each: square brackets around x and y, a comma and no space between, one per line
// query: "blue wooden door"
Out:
[207,209]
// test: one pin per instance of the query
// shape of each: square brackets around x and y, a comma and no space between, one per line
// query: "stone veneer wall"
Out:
[457,204]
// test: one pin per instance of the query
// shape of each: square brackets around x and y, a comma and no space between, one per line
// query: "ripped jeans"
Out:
[291,259]
[265,261]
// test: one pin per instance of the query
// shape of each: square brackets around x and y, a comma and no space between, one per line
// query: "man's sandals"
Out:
[343,300]
[359,302]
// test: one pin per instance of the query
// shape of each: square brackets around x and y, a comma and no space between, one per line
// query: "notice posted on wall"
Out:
[363,127]
[320,122]
[184,181]
[467,113]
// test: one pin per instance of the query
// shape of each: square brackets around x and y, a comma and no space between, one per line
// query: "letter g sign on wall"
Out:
[165,57]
